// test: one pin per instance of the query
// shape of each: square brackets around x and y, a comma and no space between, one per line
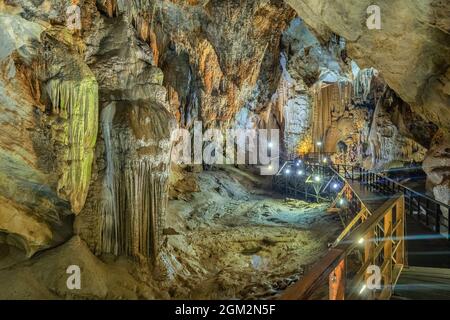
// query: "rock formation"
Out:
[86,116]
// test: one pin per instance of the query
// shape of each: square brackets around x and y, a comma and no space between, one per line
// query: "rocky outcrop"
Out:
[437,167]
[388,146]
[72,99]
[126,207]
[410,50]
[211,52]
[46,277]
[46,148]
[86,117]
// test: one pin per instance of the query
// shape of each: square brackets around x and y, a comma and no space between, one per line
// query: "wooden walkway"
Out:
[420,283]
[424,247]
[427,275]
[415,259]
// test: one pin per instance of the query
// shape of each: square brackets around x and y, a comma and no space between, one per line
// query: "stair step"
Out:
[421,283]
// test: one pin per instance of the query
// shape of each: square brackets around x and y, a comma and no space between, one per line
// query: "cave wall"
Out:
[410,50]
[212,53]
[73,105]
[59,167]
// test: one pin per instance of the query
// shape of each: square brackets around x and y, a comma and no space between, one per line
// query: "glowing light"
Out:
[270,167]
[300,172]
[270,145]
[362,289]
[319,143]
[360,241]
[287,171]
[325,160]
[317,178]
[335,186]
[341,201]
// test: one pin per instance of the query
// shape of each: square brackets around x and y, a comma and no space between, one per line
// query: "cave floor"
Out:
[230,240]
[236,241]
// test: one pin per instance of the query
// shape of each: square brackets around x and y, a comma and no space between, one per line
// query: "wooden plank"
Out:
[337,282]
[387,271]
[400,231]
[352,223]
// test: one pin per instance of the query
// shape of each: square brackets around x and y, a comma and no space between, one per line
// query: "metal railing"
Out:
[428,211]
[298,181]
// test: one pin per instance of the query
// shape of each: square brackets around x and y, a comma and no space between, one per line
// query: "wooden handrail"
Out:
[333,264]
[409,189]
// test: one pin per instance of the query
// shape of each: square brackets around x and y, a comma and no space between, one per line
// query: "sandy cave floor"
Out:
[230,240]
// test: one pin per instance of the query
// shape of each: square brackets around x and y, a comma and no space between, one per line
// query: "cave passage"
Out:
[224,149]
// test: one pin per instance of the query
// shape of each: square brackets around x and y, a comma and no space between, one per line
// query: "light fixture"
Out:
[297,164]
[361,241]
[341,201]
[300,172]
[325,160]
[319,143]
[317,178]
[270,167]
[270,145]
[287,171]
[335,186]
[362,289]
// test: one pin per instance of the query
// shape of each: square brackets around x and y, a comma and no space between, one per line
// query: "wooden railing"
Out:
[370,241]
[423,208]
[375,244]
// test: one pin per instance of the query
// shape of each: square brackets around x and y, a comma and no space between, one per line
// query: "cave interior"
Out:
[223,149]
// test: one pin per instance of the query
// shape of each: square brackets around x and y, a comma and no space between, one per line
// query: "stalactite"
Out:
[329,103]
[76,104]
[362,83]
[135,182]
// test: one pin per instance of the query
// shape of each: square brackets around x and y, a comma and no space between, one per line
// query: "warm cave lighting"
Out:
[362,289]
[335,186]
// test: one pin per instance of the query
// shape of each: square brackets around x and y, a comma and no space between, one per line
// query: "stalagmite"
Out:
[137,143]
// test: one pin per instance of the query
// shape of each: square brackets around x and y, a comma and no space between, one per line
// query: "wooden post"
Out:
[336,282]
[400,232]
[387,273]
[369,253]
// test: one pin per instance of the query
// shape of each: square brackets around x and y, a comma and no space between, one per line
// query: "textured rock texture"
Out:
[86,120]
[47,145]
[72,94]
[125,211]
[410,50]
[212,52]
